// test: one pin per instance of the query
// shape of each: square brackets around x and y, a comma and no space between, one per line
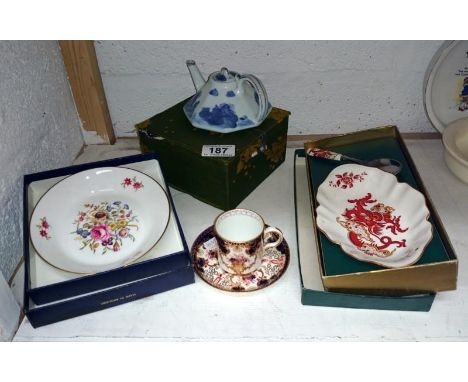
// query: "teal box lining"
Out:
[417,303]
[335,261]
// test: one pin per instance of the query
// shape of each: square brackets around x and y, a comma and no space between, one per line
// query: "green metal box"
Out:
[220,181]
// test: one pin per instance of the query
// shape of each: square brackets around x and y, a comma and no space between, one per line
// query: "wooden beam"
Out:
[86,85]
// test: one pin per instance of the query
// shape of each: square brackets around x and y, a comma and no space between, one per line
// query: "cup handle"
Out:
[275,243]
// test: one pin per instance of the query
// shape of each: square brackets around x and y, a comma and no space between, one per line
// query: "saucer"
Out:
[275,261]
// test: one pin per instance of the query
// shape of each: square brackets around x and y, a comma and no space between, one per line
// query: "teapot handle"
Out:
[262,95]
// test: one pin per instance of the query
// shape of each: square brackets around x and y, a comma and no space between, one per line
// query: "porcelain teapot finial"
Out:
[227,101]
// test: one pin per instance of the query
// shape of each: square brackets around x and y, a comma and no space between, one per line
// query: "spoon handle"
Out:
[326,154]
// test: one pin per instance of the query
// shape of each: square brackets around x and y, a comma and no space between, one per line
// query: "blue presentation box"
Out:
[51,295]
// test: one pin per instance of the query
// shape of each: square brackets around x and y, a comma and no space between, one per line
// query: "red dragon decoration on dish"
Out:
[367,224]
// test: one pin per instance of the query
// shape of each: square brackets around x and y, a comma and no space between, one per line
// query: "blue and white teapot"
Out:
[227,101]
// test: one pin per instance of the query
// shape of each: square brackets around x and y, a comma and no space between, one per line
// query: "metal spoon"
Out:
[391,166]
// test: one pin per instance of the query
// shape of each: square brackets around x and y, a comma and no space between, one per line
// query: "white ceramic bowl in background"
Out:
[455,139]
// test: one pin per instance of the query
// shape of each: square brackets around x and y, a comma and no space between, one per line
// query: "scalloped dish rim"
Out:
[344,245]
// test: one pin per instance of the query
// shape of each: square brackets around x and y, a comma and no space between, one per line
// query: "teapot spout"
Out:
[197,77]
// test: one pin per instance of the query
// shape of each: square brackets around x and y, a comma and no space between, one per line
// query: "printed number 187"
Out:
[218,150]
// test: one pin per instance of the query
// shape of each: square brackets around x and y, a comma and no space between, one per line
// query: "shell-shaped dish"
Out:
[373,217]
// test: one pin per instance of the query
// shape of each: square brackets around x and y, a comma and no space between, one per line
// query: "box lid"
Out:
[337,262]
[436,270]
[312,289]
[45,283]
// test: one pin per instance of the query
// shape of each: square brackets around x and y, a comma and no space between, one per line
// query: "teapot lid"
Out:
[224,75]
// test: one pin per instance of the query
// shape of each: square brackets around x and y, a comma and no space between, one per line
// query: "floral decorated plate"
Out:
[372,216]
[205,258]
[99,219]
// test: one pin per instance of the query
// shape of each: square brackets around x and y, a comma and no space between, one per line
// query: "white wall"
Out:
[329,86]
[39,130]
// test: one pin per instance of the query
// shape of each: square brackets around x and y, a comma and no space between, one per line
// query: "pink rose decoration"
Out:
[100,232]
[127,182]
[43,228]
